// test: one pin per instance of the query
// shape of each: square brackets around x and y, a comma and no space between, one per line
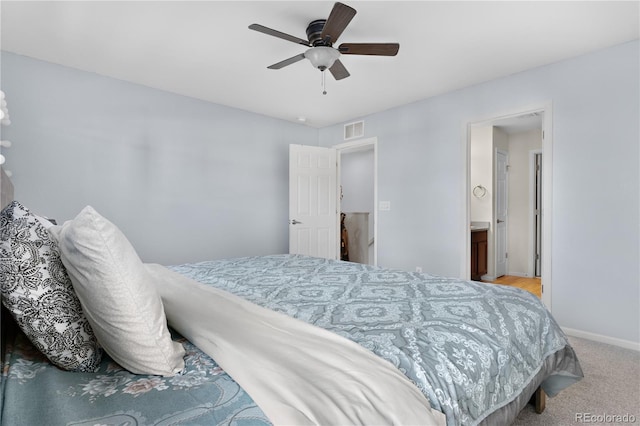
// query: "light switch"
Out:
[384,205]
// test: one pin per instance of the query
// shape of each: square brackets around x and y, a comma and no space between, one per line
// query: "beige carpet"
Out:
[610,388]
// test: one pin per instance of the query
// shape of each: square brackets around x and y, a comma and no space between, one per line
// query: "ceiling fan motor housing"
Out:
[314,33]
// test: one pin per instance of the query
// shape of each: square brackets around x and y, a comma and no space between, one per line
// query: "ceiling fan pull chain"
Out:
[324,83]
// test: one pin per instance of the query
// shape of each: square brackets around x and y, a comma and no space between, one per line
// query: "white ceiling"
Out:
[204,49]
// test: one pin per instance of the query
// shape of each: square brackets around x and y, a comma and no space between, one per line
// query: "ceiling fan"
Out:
[321,35]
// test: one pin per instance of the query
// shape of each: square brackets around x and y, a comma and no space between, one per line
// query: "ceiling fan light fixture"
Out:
[322,57]
[322,35]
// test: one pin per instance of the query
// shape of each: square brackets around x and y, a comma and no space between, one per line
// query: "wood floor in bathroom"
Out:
[532,285]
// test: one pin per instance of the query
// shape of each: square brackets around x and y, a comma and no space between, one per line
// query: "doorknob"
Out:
[500,221]
[295,222]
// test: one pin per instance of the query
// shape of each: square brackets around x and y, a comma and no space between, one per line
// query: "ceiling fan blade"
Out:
[338,70]
[339,18]
[286,62]
[382,49]
[279,34]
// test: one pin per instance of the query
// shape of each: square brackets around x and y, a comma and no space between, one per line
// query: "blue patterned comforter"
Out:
[472,348]
[38,393]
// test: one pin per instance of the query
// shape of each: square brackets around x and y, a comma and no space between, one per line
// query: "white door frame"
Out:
[360,145]
[547,186]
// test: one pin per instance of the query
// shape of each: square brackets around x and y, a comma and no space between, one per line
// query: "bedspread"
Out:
[297,373]
[470,347]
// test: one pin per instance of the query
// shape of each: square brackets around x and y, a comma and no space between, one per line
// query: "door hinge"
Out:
[506,255]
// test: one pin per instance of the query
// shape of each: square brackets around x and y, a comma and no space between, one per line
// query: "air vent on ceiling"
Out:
[354,130]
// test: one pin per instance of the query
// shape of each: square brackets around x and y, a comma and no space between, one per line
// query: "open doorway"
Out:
[524,139]
[357,198]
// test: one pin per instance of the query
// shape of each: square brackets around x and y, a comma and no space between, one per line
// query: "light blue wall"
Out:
[188,180]
[596,182]
[185,180]
[356,180]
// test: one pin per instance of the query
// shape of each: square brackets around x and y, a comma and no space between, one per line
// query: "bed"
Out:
[478,353]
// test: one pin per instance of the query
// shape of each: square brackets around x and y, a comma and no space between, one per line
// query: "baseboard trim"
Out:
[627,344]
[488,278]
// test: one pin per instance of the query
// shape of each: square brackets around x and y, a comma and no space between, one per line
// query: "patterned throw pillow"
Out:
[37,291]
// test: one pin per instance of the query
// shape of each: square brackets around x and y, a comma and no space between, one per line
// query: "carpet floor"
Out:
[610,388]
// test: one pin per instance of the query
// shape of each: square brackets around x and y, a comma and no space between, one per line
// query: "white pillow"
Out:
[117,295]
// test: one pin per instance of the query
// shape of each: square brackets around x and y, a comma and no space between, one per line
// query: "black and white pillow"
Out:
[37,291]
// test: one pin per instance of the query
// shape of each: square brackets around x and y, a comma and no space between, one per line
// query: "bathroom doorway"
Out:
[529,196]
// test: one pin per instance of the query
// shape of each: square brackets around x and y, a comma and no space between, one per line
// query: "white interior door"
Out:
[501,213]
[313,213]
